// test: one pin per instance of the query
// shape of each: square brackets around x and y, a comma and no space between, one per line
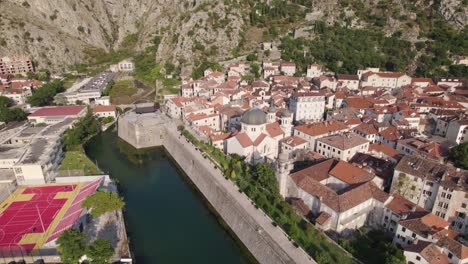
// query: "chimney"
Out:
[413,209]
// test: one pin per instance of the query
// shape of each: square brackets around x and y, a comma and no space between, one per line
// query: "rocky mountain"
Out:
[60,32]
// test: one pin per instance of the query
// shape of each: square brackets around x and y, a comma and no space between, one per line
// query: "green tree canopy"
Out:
[86,126]
[44,95]
[459,155]
[265,176]
[102,202]
[100,251]
[5,102]
[12,114]
[71,245]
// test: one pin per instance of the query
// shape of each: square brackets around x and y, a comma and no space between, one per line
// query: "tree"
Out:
[404,185]
[71,245]
[459,155]
[12,114]
[102,202]
[44,95]
[86,127]
[255,69]
[251,57]
[5,102]
[100,251]
[265,176]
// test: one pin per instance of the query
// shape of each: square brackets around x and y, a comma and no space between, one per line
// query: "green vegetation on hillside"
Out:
[44,95]
[346,50]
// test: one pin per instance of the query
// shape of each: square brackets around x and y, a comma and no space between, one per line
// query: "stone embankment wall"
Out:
[268,244]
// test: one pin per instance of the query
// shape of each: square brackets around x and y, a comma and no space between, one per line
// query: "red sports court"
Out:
[36,215]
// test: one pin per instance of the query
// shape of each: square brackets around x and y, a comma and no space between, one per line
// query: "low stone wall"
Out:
[250,227]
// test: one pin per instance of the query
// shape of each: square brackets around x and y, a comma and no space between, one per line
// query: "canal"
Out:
[167,220]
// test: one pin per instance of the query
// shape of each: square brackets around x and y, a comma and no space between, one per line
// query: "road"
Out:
[265,227]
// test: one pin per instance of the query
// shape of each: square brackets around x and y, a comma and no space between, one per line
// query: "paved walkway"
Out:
[265,227]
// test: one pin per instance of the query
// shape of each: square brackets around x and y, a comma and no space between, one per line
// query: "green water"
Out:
[167,219]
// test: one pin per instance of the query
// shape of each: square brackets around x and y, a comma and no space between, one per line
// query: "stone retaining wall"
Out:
[211,183]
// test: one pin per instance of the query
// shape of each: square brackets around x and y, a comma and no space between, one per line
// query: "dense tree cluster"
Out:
[72,246]
[374,248]
[44,95]
[346,50]
[459,155]
[10,114]
[102,202]
[85,128]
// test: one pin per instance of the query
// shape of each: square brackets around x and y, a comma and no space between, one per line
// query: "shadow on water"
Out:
[167,219]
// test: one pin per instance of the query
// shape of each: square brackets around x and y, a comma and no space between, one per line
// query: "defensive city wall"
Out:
[267,243]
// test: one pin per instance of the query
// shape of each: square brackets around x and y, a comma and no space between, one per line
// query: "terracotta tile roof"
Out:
[366,129]
[341,201]
[385,149]
[322,218]
[301,206]
[244,140]
[294,141]
[385,74]
[424,224]
[218,137]
[357,102]
[321,128]
[391,134]
[350,174]
[345,141]
[429,252]
[103,108]
[350,77]
[318,172]
[457,248]
[400,205]
[422,80]
[259,139]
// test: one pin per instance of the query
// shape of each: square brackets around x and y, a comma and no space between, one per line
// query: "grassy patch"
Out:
[69,81]
[75,161]
[122,92]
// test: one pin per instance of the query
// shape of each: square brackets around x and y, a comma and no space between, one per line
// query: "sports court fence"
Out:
[18,254]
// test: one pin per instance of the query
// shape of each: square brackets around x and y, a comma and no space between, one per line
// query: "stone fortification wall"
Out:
[268,244]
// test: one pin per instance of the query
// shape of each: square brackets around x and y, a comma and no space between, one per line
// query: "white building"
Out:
[325,190]
[288,68]
[258,140]
[307,106]
[314,70]
[342,146]
[314,131]
[457,131]
[105,111]
[385,79]
[123,66]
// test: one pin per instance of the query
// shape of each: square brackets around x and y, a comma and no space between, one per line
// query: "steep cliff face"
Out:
[57,33]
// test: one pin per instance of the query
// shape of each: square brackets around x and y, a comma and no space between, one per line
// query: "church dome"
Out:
[254,117]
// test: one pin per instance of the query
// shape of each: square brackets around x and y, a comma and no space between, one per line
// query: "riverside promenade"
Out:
[267,243]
